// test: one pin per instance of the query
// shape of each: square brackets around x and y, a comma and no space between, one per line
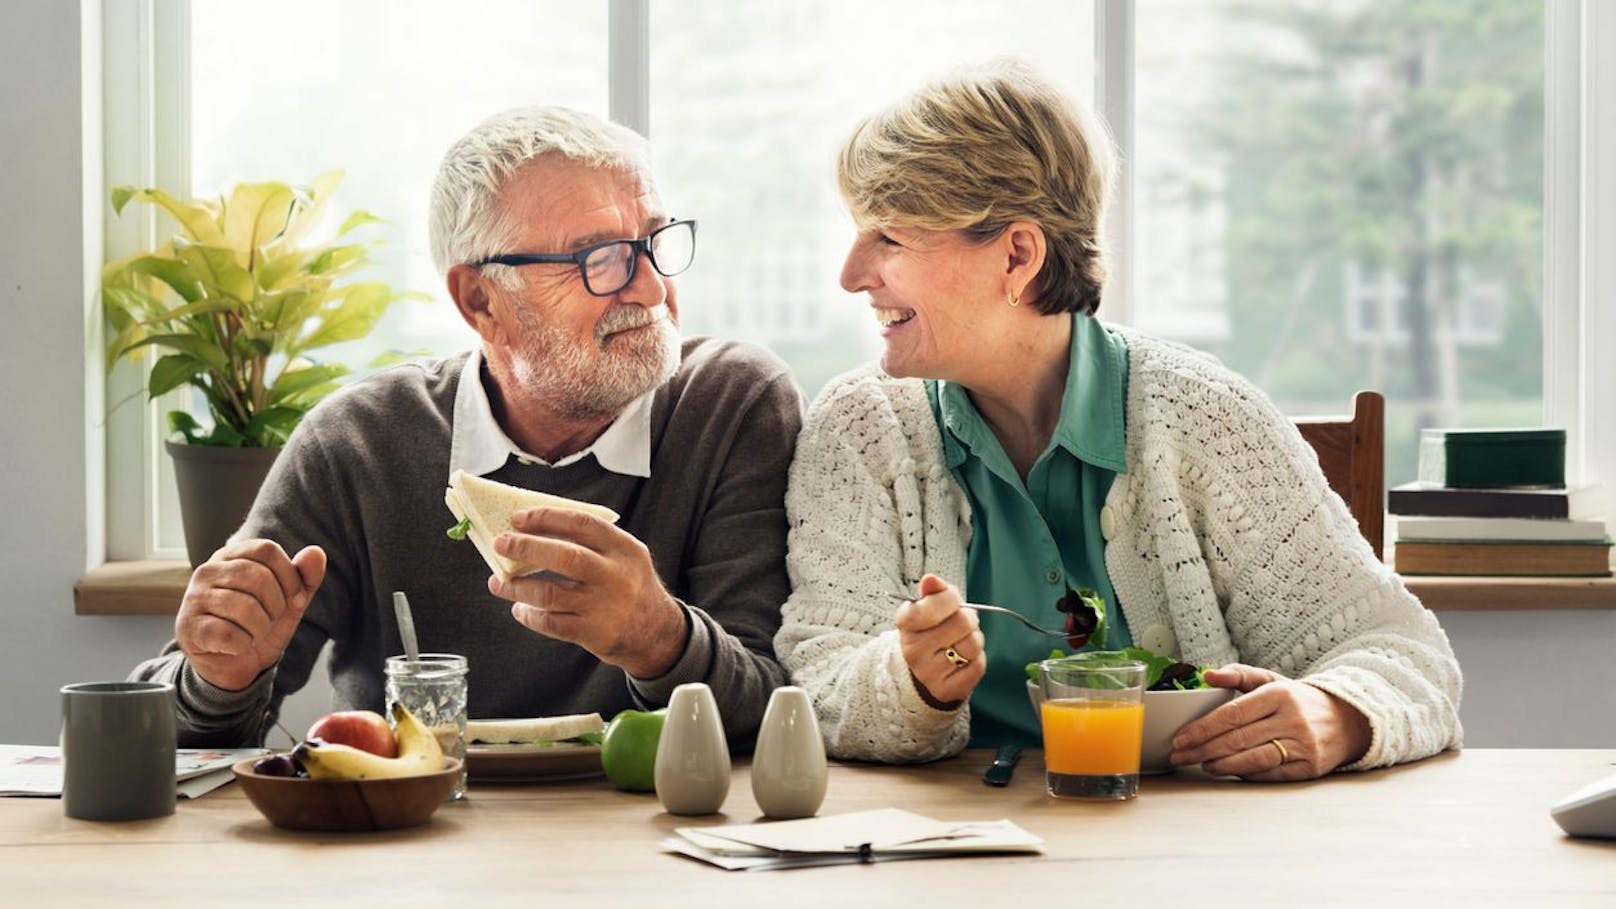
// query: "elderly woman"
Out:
[1012,449]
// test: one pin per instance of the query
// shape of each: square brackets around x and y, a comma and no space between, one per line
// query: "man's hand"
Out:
[608,599]
[1317,731]
[941,643]
[241,609]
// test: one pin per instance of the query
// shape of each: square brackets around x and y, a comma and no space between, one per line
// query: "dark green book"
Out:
[1493,458]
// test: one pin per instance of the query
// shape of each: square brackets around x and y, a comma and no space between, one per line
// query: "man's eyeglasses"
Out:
[1082,615]
[609,267]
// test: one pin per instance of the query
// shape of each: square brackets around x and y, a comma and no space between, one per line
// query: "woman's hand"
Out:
[1316,731]
[941,643]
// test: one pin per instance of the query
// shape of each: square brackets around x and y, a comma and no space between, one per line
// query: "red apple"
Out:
[362,729]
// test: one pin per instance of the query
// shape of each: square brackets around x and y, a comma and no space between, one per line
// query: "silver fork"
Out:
[983,607]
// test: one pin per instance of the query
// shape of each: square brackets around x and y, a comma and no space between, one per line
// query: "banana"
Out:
[418,754]
[414,738]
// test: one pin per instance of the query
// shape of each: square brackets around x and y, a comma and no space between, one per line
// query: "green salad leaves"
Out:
[459,531]
[1162,673]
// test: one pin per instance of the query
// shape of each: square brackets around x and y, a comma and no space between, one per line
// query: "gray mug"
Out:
[118,750]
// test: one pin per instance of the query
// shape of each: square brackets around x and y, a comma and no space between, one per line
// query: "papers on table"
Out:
[865,836]
[37,769]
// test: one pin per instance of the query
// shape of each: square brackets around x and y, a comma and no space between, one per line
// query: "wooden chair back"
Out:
[1352,454]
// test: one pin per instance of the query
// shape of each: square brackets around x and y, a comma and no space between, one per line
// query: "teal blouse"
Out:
[1032,541]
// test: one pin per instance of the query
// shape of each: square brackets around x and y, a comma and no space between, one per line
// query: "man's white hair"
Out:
[467,223]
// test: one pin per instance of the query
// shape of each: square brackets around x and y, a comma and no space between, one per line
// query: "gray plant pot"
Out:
[217,487]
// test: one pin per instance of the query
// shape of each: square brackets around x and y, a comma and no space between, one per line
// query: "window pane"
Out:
[1346,194]
[749,104]
[379,89]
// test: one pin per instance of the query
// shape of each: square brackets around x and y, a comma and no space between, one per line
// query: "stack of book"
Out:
[1493,502]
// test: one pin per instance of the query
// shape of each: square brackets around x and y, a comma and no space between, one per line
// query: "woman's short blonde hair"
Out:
[980,148]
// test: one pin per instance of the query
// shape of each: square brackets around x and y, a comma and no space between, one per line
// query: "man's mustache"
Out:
[626,316]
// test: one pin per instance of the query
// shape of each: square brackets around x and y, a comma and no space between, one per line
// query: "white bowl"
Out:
[1165,712]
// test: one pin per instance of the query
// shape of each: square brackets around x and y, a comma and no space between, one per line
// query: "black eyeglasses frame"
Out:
[581,257]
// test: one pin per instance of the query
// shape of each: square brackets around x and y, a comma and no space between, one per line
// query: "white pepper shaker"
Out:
[692,761]
[788,766]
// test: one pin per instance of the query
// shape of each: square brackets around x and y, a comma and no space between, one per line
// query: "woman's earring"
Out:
[1012,299]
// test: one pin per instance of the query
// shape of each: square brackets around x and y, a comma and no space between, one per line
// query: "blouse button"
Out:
[1052,574]
[1108,523]
[1159,638]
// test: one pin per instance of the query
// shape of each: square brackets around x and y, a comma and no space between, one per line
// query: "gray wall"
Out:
[49,461]
[1531,678]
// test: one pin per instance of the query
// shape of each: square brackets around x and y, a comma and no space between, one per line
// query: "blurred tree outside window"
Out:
[1346,194]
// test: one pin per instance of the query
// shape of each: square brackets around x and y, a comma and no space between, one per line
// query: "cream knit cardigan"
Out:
[1224,543]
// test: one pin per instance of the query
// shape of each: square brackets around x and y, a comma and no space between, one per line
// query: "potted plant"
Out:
[234,305]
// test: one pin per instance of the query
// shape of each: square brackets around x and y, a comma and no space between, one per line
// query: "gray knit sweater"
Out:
[363,478]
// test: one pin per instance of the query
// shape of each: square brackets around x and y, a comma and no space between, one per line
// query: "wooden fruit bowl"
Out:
[355,806]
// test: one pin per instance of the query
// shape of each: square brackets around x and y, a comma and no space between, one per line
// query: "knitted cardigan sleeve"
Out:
[1227,500]
[866,496]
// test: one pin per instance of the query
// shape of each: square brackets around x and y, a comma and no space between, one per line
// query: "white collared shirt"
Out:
[478,444]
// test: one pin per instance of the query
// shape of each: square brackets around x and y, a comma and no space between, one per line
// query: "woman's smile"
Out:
[892,318]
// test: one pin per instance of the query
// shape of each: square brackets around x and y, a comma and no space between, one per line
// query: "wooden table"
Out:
[1466,829]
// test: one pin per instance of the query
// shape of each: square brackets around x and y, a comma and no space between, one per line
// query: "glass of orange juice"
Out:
[1093,716]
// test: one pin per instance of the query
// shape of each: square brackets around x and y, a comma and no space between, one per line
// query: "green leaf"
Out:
[349,320]
[183,423]
[247,346]
[296,381]
[272,426]
[1154,663]
[223,436]
[169,271]
[1093,600]
[1032,668]
[120,342]
[204,307]
[197,347]
[255,214]
[394,357]
[171,372]
[131,302]
[311,206]
[277,269]
[357,219]
[338,260]
[199,220]
[219,271]
[459,531]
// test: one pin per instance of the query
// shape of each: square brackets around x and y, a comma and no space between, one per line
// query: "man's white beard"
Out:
[580,383]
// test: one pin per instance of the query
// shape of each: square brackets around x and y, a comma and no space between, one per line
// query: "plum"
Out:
[277,765]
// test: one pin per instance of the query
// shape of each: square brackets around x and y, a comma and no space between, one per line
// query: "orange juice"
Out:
[1088,737]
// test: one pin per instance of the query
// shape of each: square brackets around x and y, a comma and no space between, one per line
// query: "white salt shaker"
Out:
[788,766]
[692,760]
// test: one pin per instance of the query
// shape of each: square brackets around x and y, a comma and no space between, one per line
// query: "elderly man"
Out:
[541,218]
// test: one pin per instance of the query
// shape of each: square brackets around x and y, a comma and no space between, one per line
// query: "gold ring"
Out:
[1284,756]
[953,656]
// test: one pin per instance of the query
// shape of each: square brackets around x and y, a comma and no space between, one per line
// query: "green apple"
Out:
[628,751]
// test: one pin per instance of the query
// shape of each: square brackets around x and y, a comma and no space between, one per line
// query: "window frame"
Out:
[146,120]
